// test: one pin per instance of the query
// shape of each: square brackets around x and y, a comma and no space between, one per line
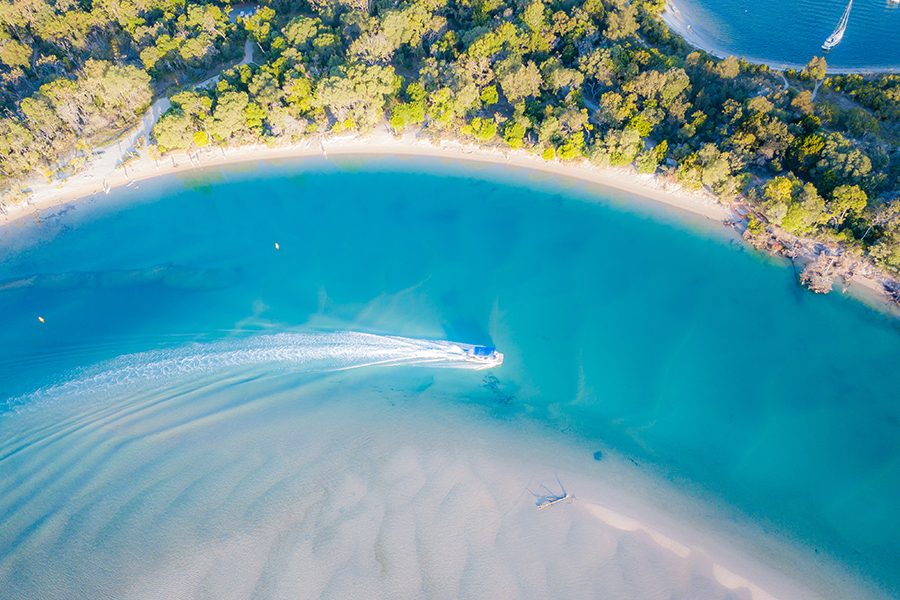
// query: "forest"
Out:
[813,155]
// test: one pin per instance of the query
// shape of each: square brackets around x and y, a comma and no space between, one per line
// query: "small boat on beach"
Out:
[548,498]
[838,34]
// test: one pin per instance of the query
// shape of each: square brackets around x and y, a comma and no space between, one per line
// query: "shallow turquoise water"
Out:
[793,32]
[636,332]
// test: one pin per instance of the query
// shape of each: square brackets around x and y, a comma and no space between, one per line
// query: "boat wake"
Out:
[285,352]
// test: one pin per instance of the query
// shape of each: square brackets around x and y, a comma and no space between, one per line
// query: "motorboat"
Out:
[486,357]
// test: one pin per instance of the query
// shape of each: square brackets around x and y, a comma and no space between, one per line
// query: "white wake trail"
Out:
[299,352]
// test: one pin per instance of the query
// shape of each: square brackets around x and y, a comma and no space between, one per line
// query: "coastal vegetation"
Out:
[803,155]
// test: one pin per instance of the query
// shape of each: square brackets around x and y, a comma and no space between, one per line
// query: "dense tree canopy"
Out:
[602,80]
[74,74]
[64,115]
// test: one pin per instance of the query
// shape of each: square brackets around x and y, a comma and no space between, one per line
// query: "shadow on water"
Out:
[168,275]
[500,391]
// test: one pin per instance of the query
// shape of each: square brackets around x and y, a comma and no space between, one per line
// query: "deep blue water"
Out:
[622,324]
[793,32]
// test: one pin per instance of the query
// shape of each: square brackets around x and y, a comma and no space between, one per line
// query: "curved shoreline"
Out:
[675,19]
[89,183]
[727,565]
[383,143]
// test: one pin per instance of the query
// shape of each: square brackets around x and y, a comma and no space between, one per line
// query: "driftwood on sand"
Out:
[821,274]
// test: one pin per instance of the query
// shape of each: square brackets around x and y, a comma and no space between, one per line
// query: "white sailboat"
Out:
[838,34]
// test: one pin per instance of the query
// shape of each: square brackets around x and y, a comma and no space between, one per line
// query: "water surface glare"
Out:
[624,328]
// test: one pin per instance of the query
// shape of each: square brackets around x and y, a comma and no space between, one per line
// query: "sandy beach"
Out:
[105,175]
[95,180]
[372,496]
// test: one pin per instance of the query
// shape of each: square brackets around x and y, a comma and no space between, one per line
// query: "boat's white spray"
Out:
[299,352]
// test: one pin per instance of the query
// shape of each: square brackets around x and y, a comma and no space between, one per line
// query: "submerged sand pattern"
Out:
[233,486]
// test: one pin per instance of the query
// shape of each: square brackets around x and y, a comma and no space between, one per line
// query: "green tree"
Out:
[519,81]
[533,16]
[514,134]
[358,92]
[803,103]
[174,131]
[707,167]
[806,212]
[411,112]
[622,22]
[728,68]
[842,162]
[815,69]
[254,116]
[15,54]
[649,160]
[489,95]
[259,24]
[860,122]
[617,148]
[482,130]
[228,120]
[18,155]
[886,249]
[557,77]
[297,92]
[300,30]
[846,200]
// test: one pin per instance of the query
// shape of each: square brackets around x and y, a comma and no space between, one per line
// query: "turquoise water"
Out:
[793,32]
[624,327]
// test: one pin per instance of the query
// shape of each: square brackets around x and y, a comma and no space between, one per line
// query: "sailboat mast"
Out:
[846,16]
[838,34]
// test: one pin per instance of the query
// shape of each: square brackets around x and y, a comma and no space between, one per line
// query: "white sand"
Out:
[318,492]
[46,195]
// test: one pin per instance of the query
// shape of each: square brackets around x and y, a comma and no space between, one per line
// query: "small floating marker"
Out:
[277,246]
[41,320]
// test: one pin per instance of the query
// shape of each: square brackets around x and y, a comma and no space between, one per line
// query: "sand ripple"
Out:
[228,487]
